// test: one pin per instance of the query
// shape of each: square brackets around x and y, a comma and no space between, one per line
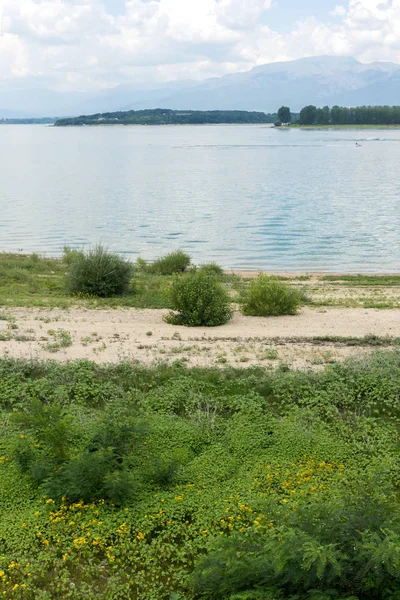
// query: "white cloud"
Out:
[78,45]
[338,11]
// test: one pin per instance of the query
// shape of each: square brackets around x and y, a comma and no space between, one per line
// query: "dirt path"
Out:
[142,335]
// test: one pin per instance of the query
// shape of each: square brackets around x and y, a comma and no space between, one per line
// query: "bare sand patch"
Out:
[142,335]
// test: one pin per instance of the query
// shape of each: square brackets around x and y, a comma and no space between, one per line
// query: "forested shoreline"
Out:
[160,116]
[357,115]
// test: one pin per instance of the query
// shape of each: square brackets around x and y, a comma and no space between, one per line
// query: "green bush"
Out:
[267,296]
[199,300]
[141,265]
[212,268]
[70,254]
[331,548]
[99,272]
[174,262]
[103,465]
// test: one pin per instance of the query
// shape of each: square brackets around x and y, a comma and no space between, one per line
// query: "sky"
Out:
[87,45]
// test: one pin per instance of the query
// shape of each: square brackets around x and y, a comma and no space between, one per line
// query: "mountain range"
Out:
[323,80]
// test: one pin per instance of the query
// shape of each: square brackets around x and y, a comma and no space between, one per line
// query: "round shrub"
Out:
[174,262]
[267,296]
[212,268]
[199,300]
[99,272]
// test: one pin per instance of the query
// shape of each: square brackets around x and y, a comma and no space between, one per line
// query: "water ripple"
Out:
[244,196]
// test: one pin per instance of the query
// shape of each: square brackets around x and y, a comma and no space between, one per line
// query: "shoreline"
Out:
[248,271]
[314,127]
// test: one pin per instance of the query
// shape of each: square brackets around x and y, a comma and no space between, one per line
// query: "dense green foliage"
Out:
[268,296]
[163,116]
[199,299]
[357,115]
[213,268]
[308,115]
[98,272]
[335,547]
[174,262]
[167,483]
[284,114]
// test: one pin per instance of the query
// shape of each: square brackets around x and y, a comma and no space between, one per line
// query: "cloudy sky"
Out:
[91,44]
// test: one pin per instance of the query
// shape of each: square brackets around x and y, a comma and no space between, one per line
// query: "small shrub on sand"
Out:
[174,262]
[199,300]
[267,296]
[99,272]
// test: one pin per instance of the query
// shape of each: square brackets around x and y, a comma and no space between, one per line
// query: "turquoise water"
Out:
[244,196]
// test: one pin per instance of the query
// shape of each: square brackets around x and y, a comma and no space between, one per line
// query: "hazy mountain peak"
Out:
[315,80]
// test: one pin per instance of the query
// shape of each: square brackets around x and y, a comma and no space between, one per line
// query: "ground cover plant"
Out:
[120,481]
[199,300]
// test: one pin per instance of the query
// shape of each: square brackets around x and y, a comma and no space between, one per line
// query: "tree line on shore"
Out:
[341,115]
[161,116]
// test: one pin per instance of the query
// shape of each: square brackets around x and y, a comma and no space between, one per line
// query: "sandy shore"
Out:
[143,336]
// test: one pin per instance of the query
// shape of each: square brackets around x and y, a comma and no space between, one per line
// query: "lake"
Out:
[244,196]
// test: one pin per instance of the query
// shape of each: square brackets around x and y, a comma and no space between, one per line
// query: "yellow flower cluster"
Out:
[11,575]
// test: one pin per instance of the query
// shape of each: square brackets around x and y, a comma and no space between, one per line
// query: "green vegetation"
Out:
[284,114]
[174,262]
[70,254]
[120,481]
[60,339]
[212,268]
[162,116]
[357,115]
[199,299]
[360,280]
[367,340]
[98,272]
[32,280]
[27,281]
[268,296]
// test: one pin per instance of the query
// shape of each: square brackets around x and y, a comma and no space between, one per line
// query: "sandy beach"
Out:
[111,335]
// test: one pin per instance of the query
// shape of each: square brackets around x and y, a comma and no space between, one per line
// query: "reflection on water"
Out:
[245,196]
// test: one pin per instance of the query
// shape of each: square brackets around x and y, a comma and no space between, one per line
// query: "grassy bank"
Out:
[35,281]
[179,484]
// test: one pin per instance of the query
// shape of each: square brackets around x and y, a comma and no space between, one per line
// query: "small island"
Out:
[161,116]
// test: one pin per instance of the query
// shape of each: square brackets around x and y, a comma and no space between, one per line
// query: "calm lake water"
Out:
[244,196]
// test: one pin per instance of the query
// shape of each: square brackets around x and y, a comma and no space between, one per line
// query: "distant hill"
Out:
[324,80]
[319,81]
[161,116]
